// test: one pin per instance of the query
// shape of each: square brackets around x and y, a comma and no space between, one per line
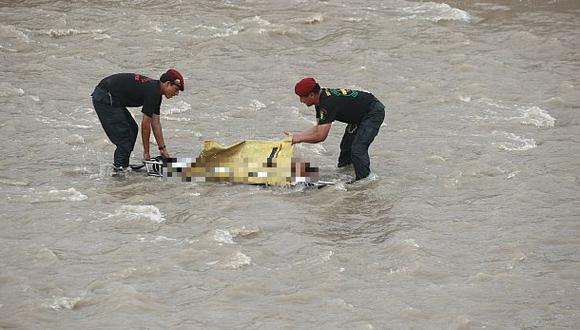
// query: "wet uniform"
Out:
[364,115]
[110,99]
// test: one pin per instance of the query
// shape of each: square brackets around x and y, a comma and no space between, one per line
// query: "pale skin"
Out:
[315,134]
[153,123]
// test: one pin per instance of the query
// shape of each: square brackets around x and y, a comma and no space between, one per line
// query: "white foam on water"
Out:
[398,270]
[164,238]
[46,255]
[411,242]
[70,194]
[437,157]
[318,259]
[223,236]
[158,239]
[13,182]
[405,246]
[74,140]
[11,29]
[258,20]
[435,12]
[259,25]
[7,90]
[527,115]
[10,50]
[353,19]
[372,177]
[515,142]
[155,27]
[228,32]
[60,303]
[254,106]
[340,186]
[326,256]
[495,104]
[239,260]
[141,212]
[244,231]
[494,7]
[516,260]
[102,36]
[178,119]
[60,33]
[316,18]
[79,126]
[257,105]
[178,107]
[537,117]
[512,174]
[216,32]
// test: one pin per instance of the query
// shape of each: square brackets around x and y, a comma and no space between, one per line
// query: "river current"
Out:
[471,218]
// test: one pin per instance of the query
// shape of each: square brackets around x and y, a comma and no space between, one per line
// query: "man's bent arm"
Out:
[314,134]
[157,131]
[145,134]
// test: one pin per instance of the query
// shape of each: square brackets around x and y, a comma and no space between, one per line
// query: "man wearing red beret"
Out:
[363,113]
[110,99]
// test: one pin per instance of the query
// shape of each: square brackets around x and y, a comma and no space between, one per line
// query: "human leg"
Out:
[344,158]
[365,135]
[134,131]
[360,151]
[117,127]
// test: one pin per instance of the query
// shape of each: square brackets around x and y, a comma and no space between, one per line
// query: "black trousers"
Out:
[118,124]
[357,138]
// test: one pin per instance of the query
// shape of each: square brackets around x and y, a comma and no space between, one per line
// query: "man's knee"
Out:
[125,148]
[359,149]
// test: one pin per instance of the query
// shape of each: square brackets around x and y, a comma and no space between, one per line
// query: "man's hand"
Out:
[164,153]
[146,156]
[293,136]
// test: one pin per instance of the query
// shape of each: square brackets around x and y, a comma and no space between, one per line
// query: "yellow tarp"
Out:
[250,161]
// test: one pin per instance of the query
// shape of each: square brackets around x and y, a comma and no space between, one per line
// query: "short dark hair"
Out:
[164,77]
[315,89]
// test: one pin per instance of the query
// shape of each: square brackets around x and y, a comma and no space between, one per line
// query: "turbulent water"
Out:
[471,219]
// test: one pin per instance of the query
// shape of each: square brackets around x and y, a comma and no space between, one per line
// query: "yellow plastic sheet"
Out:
[250,161]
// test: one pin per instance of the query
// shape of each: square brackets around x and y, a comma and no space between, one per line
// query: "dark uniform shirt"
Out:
[134,90]
[345,105]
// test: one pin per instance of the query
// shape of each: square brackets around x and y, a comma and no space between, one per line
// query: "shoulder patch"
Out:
[141,78]
[323,114]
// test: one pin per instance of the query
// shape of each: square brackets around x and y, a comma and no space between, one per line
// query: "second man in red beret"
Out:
[362,111]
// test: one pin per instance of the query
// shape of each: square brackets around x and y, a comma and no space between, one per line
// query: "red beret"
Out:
[176,78]
[304,86]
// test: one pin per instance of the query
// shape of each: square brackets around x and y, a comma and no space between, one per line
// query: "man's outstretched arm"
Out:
[314,134]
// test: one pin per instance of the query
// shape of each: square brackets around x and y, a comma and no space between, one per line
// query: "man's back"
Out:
[345,105]
[133,90]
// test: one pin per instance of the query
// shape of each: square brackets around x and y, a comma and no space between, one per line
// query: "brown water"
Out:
[471,218]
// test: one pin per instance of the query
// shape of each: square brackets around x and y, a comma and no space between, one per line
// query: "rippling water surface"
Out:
[471,219]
